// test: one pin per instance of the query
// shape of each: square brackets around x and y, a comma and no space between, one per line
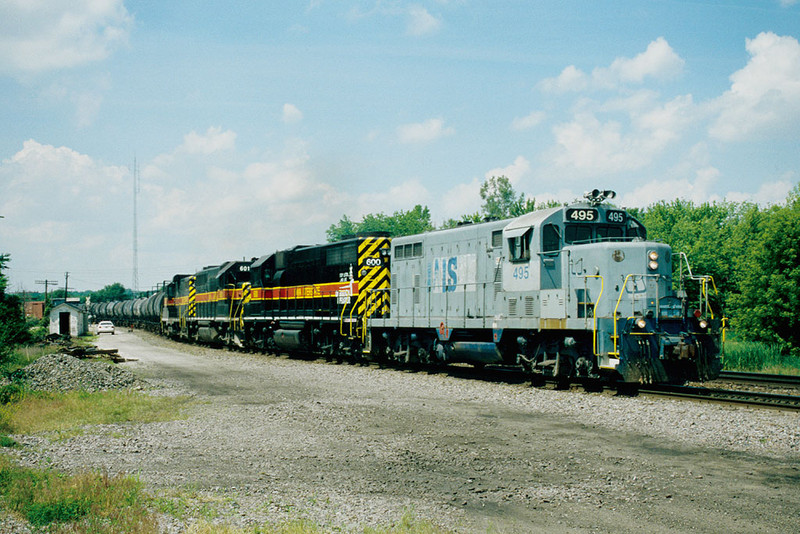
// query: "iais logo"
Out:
[452,274]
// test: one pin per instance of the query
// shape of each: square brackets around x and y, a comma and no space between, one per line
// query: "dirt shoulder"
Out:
[345,446]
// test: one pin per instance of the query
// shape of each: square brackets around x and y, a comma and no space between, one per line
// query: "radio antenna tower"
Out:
[135,286]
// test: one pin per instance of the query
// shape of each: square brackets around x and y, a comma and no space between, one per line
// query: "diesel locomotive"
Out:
[568,293]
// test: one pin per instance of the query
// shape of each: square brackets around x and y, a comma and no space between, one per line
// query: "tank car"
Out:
[574,292]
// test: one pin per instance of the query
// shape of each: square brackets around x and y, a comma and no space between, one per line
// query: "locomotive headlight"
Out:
[703,324]
[641,323]
[653,257]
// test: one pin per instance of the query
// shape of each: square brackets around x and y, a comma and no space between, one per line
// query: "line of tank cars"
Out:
[573,292]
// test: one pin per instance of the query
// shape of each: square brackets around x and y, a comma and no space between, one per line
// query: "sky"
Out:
[254,126]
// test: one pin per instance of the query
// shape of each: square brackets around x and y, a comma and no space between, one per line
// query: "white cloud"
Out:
[770,193]
[214,140]
[658,61]
[621,134]
[291,114]
[570,79]
[424,132]
[527,122]
[57,172]
[765,94]
[707,186]
[421,22]
[514,172]
[56,202]
[37,38]
[703,188]
[462,199]
[398,197]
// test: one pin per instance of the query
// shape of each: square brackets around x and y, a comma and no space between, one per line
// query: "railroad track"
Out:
[761,379]
[752,398]
[512,375]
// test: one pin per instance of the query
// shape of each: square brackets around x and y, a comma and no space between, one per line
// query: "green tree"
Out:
[12,318]
[401,222]
[703,233]
[345,227]
[115,291]
[500,201]
[769,276]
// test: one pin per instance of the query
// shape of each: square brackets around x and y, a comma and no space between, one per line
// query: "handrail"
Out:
[614,317]
[230,309]
[703,279]
[594,313]
[341,320]
[619,301]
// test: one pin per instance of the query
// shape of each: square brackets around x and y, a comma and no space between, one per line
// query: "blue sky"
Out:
[256,125]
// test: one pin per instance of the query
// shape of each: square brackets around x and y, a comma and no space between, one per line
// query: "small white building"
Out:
[69,318]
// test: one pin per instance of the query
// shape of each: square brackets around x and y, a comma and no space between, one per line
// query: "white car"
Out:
[105,326]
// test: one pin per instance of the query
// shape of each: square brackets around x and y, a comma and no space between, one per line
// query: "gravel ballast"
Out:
[62,372]
[346,446]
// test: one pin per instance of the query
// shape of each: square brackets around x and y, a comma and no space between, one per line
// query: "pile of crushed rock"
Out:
[62,372]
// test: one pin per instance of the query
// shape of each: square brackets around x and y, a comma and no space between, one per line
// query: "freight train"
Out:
[568,293]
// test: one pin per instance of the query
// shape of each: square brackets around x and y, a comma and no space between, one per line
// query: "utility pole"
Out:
[46,283]
[66,286]
[135,230]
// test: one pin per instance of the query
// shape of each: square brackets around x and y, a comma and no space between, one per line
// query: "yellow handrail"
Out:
[594,312]
[614,318]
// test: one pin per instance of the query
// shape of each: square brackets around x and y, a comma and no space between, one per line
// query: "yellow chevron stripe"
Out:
[375,278]
[192,312]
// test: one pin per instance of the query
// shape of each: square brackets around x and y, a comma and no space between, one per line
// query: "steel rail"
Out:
[760,378]
[752,398]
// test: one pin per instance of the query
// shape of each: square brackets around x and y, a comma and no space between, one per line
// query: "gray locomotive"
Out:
[569,292]
[575,292]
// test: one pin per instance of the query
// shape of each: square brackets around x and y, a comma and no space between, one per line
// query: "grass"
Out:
[21,357]
[84,503]
[758,357]
[66,412]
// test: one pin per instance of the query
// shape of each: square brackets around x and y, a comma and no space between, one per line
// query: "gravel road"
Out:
[273,438]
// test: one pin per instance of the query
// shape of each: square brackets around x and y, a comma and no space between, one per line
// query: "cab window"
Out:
[551,239]
[578,233]
[609,233]
[520,247]
[636,230]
